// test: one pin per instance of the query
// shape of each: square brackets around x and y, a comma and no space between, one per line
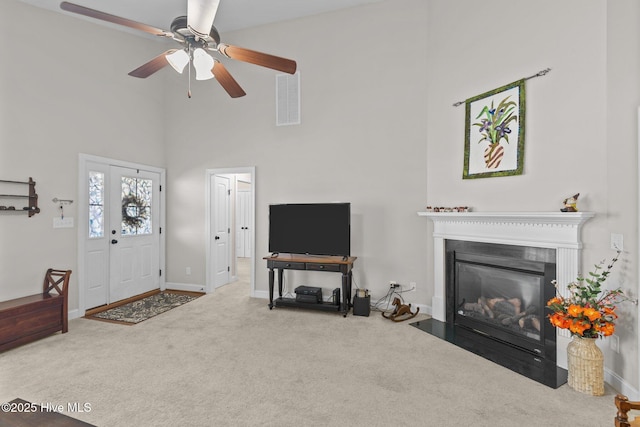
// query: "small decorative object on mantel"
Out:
[570,203]
[589,313]
[443,209]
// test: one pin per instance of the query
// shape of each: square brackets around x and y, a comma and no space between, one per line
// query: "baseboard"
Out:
[424,309]
[191,287]
[620,385]
[73,314]
[260,294]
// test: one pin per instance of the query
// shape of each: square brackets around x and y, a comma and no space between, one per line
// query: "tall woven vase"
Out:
[586,366]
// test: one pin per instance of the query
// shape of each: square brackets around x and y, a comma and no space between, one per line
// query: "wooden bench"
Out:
[26,319]
[624,405]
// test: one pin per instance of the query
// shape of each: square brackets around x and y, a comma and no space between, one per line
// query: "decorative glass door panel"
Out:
[96,204]
[137,197]
[134,232]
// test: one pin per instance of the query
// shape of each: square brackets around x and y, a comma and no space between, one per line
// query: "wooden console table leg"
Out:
[270,288]
[346,293]
[280,282]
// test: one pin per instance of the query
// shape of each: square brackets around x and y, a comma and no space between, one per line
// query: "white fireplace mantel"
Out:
[557,230]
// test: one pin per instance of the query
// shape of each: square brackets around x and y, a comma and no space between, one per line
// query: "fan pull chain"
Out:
[189,90]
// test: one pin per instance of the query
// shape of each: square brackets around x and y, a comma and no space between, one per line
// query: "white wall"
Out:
[65,91]
[581,120]
[361,140]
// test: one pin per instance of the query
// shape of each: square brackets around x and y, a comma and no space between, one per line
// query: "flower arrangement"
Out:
[495,126]
[588,311]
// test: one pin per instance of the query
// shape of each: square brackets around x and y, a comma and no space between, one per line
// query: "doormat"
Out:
[145,308]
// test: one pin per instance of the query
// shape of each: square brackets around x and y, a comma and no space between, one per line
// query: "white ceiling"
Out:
[232,14]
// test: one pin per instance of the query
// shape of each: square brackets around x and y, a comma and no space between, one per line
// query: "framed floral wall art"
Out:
[494,135]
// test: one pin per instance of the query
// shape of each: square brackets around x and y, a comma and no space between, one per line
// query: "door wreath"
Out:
[133,204]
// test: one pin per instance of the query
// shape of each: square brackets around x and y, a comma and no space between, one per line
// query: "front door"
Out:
[134,233]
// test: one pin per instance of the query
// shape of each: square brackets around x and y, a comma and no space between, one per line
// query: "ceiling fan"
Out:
[197,35]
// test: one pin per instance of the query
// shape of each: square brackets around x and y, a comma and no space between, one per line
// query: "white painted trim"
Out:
[558,230]
[620,385]
[209,173]
[83,226]
[189,287]
[260,294]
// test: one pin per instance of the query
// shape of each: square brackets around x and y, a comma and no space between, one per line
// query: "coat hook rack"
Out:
[62,202]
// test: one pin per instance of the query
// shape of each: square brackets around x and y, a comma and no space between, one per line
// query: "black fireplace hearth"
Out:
[495,307]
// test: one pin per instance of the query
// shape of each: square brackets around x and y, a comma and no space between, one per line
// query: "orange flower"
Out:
[610,312]
[554,300]
[606,329]
[591,313]
[559,321]
[578,327]
[575,310]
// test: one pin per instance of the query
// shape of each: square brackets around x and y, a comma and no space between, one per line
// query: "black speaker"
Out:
[361,305]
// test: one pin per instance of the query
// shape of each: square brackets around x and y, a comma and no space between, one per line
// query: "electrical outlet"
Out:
[617,242]
[614,343]
[188,271]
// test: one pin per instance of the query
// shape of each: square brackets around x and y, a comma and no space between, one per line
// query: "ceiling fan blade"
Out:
[200,16]
[156,64]
[227,82]
[92,13]
[258,58]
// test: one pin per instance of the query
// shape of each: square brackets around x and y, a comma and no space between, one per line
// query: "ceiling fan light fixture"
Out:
[203,63]
[178,60]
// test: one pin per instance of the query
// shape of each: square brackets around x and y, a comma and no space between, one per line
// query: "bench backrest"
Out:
[57,280]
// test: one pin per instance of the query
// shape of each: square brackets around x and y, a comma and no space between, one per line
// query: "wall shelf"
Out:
[12,193]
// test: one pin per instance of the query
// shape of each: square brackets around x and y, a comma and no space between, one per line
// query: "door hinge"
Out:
[160,187]
[160,230]
[228,268]
[228,192]
[160,273]
[228,231]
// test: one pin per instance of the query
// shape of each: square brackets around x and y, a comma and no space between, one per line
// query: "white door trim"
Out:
[83,218]
[251,170]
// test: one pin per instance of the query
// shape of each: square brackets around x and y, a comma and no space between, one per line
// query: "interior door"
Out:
[243,241]
[134,232]
[221,229]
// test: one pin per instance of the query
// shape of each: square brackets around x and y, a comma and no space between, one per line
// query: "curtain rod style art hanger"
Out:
[538,74]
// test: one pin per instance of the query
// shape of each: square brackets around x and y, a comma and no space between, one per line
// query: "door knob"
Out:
[217,238]
[114,241]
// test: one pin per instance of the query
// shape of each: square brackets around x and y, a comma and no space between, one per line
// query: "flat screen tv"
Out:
[310,228]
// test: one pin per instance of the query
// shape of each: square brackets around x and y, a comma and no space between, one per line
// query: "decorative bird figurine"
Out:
[571,203]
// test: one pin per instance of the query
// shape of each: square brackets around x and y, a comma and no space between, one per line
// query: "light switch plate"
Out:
[66,222]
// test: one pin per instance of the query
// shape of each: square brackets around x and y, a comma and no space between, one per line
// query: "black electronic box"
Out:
[308,294]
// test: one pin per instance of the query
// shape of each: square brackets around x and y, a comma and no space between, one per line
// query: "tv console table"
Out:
[335,264]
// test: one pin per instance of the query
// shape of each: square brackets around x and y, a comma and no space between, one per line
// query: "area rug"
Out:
[143,309]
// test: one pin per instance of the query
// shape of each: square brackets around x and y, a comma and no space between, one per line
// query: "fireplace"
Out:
[492,278]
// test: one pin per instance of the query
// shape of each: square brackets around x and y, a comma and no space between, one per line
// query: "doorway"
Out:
[120,221]
[230,226]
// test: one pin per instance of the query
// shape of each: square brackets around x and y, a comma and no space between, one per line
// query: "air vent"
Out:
[287,99]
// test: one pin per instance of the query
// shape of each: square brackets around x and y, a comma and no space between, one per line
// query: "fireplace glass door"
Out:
[500,298]
[503,297]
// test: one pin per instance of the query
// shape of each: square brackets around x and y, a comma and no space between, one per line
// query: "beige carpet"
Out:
[226,360]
